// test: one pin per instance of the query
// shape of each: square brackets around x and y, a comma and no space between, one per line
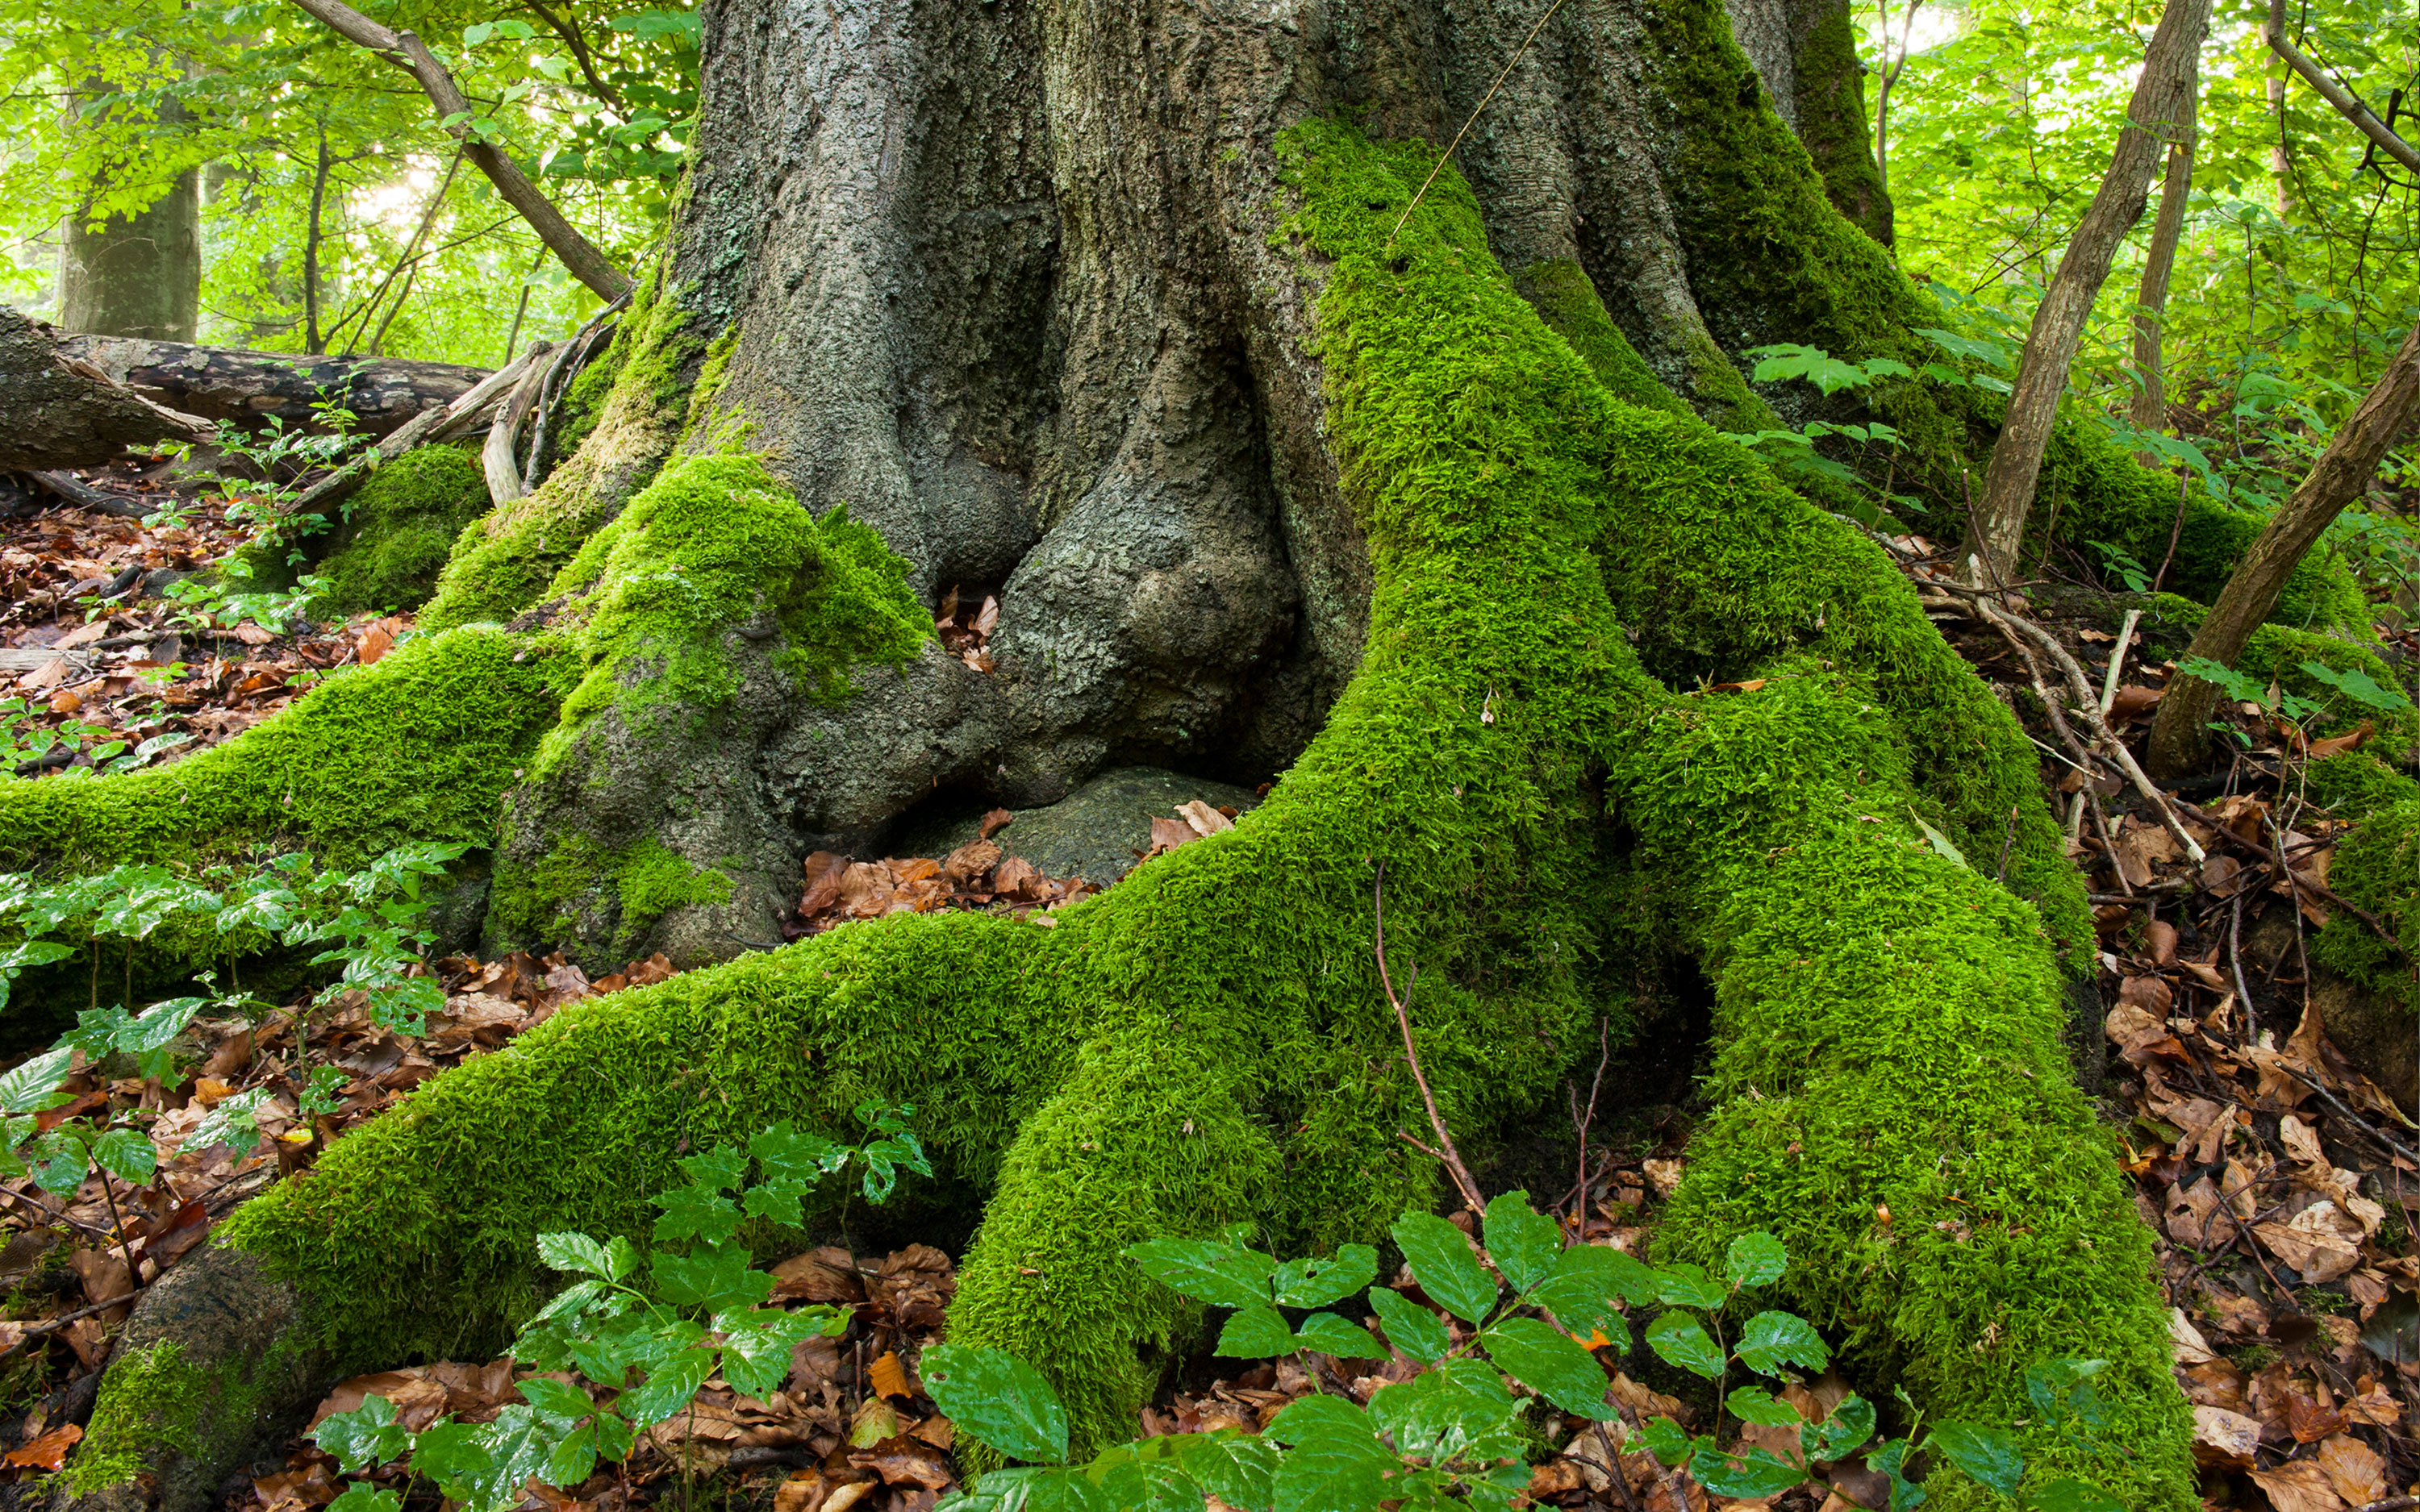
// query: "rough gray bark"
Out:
[136,275]
[231,384]
[999,278]
[65,414]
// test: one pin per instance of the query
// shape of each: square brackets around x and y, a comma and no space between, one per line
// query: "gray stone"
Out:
[1096,832]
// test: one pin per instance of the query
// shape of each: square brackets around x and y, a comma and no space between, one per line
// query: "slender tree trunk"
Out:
[2150,407]
[2281,172]
[2153,117]
[2179,737]
[313,342]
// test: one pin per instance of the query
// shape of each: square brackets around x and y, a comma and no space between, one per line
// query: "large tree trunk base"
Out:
[1207,1042]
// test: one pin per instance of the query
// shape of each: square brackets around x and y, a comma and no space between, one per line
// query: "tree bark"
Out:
[2348,104]
[578,255]
[249,387]
[2179,733]
[67,413]
[2158,103]
[2148,408]
[137,274]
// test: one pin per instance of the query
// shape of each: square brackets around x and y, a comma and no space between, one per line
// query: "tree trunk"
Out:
[137,274]
[2154,114]
[2148,408]
[1163,325]
[2179,733]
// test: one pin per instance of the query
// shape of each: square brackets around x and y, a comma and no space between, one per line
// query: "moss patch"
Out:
[2377,870]
[642,885]
[419,746]
[154,1404]
[401,527]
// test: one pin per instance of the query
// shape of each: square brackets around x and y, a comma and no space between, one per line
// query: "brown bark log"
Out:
[231,384]
[2151,119]
[2342,471]
[65,413]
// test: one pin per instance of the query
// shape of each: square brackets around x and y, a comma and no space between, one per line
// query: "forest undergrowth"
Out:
[2281,1181]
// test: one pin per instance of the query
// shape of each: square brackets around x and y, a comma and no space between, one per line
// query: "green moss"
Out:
[715,548]
[154,1404]
[2377,870]
[419,746]
[2357,784]
[502,563]
[1889,1023]
[1567,302]
[583,404]
[1833,126]
[1207,1042]
[642,883]
[401,527]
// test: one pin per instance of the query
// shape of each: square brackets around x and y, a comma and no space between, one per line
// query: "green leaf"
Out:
[62,1163]
[235,1121]
[1667,1442]
[1990,1455]
[365,1436]
[1682,1340]
[719,1169]
[1335,1462]
[360,1496]
[571,1302]
[669,1387]
[127,1154]
[1587,1280]
[1688,1286]
[998,1398]
[782,1202]
[1523,1242]
[1149,1485]
[1207,1269]
[557,1400]
[2358,686]
[614,1436]
[1844,1432]
[1239,1469]
[786,1153]
[34,1087]
[1891,1460]
[1255,1334]
[716,1279]
[1549,1362]
[1036,1488]
[1316,1283]
[1774,1339]
[569,1457]
[694,1213]
[576,1252]
[2072,1495]
[1939,842]
[756,1344]
[1755,1474]
[1458,1410]
[1410,1327]
[148,1039]
[1752,1404]
[1447,1269]
[1331,1334]
[1756,1259]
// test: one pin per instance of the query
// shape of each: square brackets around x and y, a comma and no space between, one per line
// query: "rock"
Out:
[1097,832]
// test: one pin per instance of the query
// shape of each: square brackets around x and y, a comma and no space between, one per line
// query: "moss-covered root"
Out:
[400,528]
[418,747]
[1893,1102]
[210,1373]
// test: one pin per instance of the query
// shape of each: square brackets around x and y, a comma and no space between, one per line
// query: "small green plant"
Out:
[2354,684]
[1794,451]
[23,740]
[1452,1435]
[222,601]
[689,1308]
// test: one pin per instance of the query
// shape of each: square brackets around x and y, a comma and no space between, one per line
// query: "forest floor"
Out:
[2280,1183]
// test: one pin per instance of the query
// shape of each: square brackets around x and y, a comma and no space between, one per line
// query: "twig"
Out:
[2393,1503]
[2336,1104]
[51,1325]
[2101,822]
[54,1214]
[2185,492]
[1581,1118]
[2007,842]
[1613,1470]
[2118,661]
[2302,957]
[1446,1156]
[2315,889]
[2235,961]
[1447,155]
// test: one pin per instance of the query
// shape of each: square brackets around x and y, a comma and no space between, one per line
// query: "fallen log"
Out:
[232,383]
[64,412]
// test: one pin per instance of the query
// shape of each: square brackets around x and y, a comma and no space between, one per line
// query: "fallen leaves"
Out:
[977,874]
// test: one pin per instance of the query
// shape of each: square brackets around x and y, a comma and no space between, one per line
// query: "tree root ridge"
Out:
[1207,1042]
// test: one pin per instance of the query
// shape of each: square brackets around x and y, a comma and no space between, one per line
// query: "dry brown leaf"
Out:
[2191,1348]
[888,1377]
[993,823]
[987,616]
[805,1491]
[375,642]
[1664,1173]
[2225,1438]
[2356,1471]
[1167,834]
[824,869]
[2310,1421]
[970,861]
[2132,703]
[255,635]
[49,1452]
[2338,744]
[819,1275]
[2320,1242]
[2299,1486]
[1204,820]
[104,1277]
[84,1337]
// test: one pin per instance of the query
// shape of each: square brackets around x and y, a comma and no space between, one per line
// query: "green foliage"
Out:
[690,1308]
[21,742]
[1451,1435]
